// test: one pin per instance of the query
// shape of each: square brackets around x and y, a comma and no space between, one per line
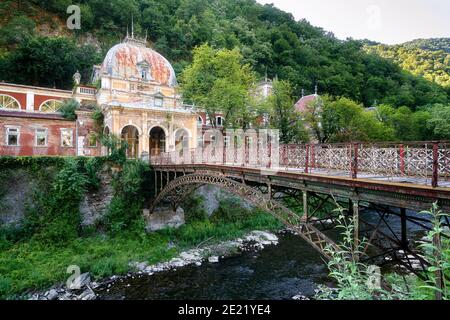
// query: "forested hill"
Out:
[428,58]
[269,39]
[435,44]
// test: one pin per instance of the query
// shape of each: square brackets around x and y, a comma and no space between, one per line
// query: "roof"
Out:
[124,59]
[301,104]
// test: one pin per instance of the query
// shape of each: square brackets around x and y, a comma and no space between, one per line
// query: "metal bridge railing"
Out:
[416,162]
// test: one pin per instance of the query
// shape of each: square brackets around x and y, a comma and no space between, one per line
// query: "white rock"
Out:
[299,297]
[52,294]
[87,295]
[177,262]
[189,256]
[141,266]
[81,281]
[213,259]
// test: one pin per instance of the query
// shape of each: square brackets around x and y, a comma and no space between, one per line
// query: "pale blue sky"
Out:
[386,21]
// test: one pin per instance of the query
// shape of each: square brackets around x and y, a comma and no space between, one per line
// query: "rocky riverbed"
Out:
[85,289]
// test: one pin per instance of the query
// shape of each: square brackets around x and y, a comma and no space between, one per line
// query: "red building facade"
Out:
[30,124]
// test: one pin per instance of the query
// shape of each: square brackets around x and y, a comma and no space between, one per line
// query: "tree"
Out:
[407,125]
[48,62]
[218,81]
[344,120]
[283,115]
[439,122]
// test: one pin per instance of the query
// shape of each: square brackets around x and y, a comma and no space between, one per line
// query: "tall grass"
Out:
[355,280]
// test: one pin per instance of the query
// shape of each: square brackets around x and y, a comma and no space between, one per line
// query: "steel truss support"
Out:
[382,246]
[176,190]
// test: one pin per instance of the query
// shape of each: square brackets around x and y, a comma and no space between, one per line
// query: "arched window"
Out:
[199,121]
[51,106]
[8,102]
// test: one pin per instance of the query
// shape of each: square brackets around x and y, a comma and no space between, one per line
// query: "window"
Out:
[51,106]
[219,121]
[158,102]
[41,137]
[8,102]
[92,140]
[144,74]
[199,121]
[12,136]
[66,137]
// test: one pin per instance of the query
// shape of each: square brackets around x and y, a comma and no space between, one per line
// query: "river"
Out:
[278,272]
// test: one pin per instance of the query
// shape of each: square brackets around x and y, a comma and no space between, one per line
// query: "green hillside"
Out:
[429,59]
[268,38]
[435,44]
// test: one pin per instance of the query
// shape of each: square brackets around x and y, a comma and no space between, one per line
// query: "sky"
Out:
[385,21]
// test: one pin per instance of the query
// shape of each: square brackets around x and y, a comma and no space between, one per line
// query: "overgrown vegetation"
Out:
[360,281]
[35,254]
[130,189]
[68,109]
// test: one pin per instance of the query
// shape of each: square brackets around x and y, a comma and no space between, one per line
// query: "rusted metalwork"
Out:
[357,174]
[415,162]
[434,181]
[176,190]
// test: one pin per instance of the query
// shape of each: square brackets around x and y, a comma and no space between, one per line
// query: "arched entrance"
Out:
[130,135]
[157,141]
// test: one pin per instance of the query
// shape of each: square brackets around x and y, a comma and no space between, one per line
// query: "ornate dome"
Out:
[132,59]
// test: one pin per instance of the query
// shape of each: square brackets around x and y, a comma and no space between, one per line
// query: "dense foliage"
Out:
[280,107]
[68,109]
[434,44]
[431,65]
[36,253]
[268,39]
[220,82]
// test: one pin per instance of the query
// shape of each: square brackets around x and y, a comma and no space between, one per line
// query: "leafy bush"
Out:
[93,166]
[68,109]
[117,149]
[230,210]
[437,253]
[130,188]
[56,218]
[194,209]
[354,279]
[98,117]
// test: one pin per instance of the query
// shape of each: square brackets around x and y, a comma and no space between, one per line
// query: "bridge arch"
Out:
[179,188]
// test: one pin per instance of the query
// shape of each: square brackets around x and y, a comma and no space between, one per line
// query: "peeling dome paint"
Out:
[122,61]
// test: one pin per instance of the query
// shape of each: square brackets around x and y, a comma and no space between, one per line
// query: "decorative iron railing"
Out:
[428,162]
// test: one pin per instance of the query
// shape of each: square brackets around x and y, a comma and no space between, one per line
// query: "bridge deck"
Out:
[404,192]
[371,176]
